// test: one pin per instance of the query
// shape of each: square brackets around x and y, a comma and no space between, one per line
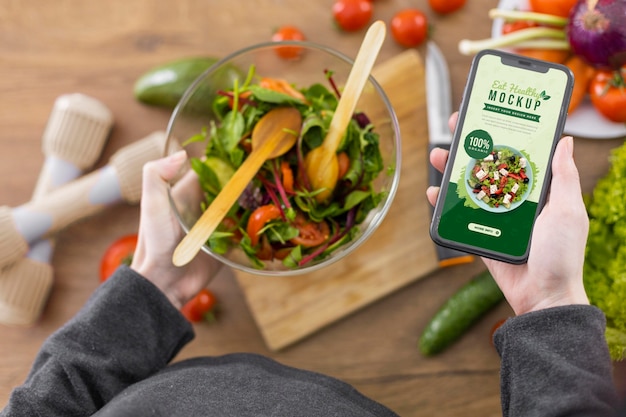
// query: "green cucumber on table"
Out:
[164,85]
[464,308]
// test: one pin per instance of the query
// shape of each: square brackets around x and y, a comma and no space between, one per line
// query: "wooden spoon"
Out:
[321,163]
[272,136]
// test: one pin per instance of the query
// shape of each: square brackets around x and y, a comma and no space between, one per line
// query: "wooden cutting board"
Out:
[287,309]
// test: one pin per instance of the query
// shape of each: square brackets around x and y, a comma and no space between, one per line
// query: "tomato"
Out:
[258,218]
[554,7]
[199,307]
[351,15]
[230,225]
[409,27]
[608,94]
[508,27]
[288,33]
[120,252]
[446,6]
[311,233]
[495,327]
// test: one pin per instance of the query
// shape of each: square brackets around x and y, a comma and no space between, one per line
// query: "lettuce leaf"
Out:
[605,257]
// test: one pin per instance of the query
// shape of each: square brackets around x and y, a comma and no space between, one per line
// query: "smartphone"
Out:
[498,172]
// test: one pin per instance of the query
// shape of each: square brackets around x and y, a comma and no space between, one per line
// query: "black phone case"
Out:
[522,62]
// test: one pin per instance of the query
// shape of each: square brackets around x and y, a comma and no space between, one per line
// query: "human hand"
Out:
[553,275]
[159,234]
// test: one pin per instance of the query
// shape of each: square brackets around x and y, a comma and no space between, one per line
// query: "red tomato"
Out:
[352,15]
[446,6]
[555,7]
[409,27]
[311,233]
[119,252]
[258,218]
[495,327]
[509,27]
[199,306]
[608,94]
[288,33]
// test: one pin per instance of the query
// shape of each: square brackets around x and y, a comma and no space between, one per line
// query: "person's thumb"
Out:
[565,187]
[156,175]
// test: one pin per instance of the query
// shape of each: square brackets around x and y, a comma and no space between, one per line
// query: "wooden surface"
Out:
[287,309]
[100,48]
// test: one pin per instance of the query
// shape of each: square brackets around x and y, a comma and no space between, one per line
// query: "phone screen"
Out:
[495,182]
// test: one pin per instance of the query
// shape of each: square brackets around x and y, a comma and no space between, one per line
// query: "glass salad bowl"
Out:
[281,224]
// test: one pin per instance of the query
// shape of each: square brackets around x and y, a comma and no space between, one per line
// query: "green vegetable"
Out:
[605,259]
[461,311]
[165,84]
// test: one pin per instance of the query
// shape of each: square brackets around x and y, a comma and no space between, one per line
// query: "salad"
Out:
[277,217]
[500,178]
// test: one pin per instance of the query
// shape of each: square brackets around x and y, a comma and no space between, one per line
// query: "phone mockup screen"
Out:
[509,123]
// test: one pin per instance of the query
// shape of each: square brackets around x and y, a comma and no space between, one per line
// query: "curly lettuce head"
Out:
[605,259]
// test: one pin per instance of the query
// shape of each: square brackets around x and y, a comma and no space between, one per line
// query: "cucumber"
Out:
[459,313]
[164,85]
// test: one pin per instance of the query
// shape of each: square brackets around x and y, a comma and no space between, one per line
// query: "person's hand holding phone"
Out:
[553,274]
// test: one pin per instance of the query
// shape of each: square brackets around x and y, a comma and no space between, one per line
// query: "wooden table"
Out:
[99,49]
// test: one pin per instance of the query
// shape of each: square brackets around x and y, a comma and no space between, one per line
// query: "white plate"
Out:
[585,121]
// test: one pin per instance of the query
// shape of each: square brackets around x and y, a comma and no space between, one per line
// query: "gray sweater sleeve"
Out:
[555,362]
[100,351]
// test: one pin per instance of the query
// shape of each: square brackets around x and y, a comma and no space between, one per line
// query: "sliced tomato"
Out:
[200,306]
[259,217]
[120,252]
[310,233]
[230,225]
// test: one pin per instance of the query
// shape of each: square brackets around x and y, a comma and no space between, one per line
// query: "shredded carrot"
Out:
[281,86]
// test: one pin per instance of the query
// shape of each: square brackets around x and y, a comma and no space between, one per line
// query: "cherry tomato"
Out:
[119,252]
[608,94]
[554,7]
[446,6]
[288,33]
[258,218]
[495,327]
[311,233]
[352,15]
[409,27]
[200,306]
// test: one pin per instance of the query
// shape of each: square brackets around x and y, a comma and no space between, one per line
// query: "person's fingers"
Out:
[438,158]
[431,194]
[452,120]
[565,187]
[155,206]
